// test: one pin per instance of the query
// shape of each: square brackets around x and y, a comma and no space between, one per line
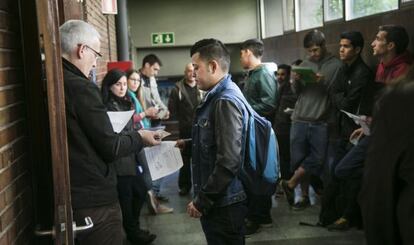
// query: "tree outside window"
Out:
[308,14]
[333,9]
[360,8]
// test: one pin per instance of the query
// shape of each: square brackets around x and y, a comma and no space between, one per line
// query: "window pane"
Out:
[333,9]
[359,8]
[288,15]
[308,14]
[273,23]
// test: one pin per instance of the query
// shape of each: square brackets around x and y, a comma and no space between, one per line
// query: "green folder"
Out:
[307,75]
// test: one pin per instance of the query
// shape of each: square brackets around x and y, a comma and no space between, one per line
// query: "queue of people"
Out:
[110,180]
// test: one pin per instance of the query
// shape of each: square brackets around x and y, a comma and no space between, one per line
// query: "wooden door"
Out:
[47,129]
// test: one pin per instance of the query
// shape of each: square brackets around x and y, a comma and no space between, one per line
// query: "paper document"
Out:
[163,159]
[360,120]
[307,75]
[119,119]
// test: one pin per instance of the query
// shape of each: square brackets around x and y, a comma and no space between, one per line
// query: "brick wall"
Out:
[106,27]
[15,181]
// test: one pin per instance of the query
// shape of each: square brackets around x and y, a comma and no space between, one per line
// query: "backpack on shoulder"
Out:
[260,169]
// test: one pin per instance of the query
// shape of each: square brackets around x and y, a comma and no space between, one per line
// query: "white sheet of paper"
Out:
[119,119]
[163,159]
[360,121]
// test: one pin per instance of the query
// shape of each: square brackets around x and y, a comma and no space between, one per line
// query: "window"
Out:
[288,15]
[272,23]
[359,8]
[333,9]
[308,14]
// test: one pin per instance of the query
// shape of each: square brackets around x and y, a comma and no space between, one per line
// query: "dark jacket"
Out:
[126,165]
[286,98]
[314,104]
[387,193]
[92,143]
[260,90]
[182,106]
[347,94]
[217,148]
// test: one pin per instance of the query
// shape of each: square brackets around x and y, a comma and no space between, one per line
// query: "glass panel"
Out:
[359,8]
[333,9]
[273,23]
[288,15]
[308,14]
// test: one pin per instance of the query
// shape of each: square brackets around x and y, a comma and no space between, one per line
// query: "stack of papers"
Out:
[360,120]
[163,159]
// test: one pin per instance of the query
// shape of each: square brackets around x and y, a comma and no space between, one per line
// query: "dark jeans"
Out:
[259,207]
[351,165]
[184,178]
[308,145]
[107,225]
[132,194]
[225,225]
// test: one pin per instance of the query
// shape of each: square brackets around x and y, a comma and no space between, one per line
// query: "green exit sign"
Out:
[162,38]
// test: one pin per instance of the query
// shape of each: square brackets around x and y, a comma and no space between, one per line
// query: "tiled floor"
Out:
[179,229]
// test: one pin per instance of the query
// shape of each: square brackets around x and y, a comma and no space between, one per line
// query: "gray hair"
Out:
[74,32]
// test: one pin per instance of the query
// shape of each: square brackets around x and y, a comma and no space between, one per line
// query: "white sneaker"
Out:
[162,209]
[152,203]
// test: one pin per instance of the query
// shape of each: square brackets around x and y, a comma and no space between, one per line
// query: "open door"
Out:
[47,129]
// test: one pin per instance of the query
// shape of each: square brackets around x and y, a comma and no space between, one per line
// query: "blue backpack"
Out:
[260,170]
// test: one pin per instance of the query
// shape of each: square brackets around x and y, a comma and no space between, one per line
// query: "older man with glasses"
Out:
[93,145]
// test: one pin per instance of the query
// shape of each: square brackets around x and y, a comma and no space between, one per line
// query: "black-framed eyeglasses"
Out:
[96,53]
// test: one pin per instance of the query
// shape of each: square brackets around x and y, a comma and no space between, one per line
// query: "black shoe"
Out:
[141,238]
[183,191]
[162,198]
[302,204]
[289,192]
[341,224]
[251,227]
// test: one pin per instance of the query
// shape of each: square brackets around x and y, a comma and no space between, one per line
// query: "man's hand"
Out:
[180,144]
[356,135]
[150,138]
[319,77]
[151,112]
[192,211]
[167,115]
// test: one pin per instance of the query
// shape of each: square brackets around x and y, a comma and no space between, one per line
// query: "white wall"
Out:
[231,21]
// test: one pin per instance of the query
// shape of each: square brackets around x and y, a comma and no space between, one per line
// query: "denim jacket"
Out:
[217,136]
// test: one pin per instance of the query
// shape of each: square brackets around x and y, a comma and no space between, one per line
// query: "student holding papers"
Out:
[142,119]
[313,111]
[131,187]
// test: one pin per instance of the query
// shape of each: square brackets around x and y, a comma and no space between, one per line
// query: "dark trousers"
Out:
[107,225]
[350,189]
[132,194]
[259,207]
[284,152]
[184,178]
[225,225]
[340,200]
